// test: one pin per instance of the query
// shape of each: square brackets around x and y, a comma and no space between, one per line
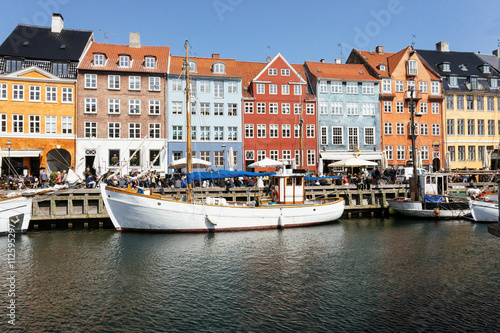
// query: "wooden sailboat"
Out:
[130,210]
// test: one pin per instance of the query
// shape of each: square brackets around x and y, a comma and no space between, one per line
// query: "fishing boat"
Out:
[15,214]
[485,209]
[287,207]
[433,200]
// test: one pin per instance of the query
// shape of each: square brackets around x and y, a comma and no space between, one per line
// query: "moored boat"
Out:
[15,214]
[485,210]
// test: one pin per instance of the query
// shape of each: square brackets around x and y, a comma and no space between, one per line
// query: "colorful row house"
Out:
[38,72]
[122,102]
[215,95]
[279,114]
[407,83]
[472,105]
[347,111]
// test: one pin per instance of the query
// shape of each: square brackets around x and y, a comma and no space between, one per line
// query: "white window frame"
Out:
[90,105]
[114,82]
[134,106]
[50,94]
[90,81]
[134,83]
[35,93]
[154,83]
[113,106]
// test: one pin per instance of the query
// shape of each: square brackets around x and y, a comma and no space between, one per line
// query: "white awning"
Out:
[342,155]
[21,153]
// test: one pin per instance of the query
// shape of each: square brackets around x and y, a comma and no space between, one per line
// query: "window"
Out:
[286,130]
[273,89]
[90,105]
[248,107]
[134,106]
[309,108]
[218,109]
[134,83]
[135,158]
[368,88]
[50,94]
[154,83]
[297,89]
[218,89]
[261,88]
[351,88]
[261,107]
[310,131]
[204,133]
[386,85]
[219,68]
[177,85]
[249,131]
[311,157]
[297,108]
[272,71]
[3,91]
[323,107]
[472,153]
[424,129]
[134,130]
[296,128]
[412,67]
[461,153]
[450,126]
[445,67]
[114,82]
[113,130]
[232,133]
[435,108]
[449,102]
[273,131]
[424,150]
[285,72]
[154,107]
[480,127]
[491,127]
[12,65]
[387,128]
[124,61]
[232,87]
[285,89]
[204,87]
[460,102]
[18,92]
[491,103]
[480,103]
[389,150]
[436,129]
[387,106]
[218,133]
[285,108]
[369,135]
[400,153]
[422,86]
[410,85]
[453,81]
[67,124]
[35,93]
[337,135]
[324,135]
[353,137]
[113,106]
[67,95]
[399,86]
[352,109]
[298,157]
[98,60]
[90,81]
[460,126]
[336,87]
[369,109]
[273,108]
[451,150]
[480,153]
[323,87]
[18,123]
[400,128]
[34,124]
[470,102]
[232,109]
[423,108]
[59,68]
[204,108]
[154,130]
[400,107]
[90,129]
[150,62]
[261,130]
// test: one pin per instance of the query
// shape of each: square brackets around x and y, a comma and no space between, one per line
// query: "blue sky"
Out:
[249,30]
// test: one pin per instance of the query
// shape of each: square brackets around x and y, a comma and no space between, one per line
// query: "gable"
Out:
[279,62]
[34,74]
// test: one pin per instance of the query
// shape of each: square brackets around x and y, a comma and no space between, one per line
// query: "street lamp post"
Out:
[9,144]
[223,156]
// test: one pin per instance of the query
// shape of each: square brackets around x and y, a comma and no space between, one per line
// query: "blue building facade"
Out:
[216,119]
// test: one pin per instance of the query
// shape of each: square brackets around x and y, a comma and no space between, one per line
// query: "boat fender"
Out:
[276,195]
[436,211]
[211,220]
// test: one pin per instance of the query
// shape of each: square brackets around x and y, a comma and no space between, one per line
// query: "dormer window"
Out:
[463,67]
[485,68]
[12,65]
[59,68]
[494,83]
[381,67]
[124,61]
[452,80]
[149,62]
[473,83]
[219,68]
[98,59]
[412,67]
[445,66]
[192,67]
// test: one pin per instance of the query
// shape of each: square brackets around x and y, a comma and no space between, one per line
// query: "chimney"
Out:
[379,49]
[322,60]
[57,23]
[496,52]
[338,60]
[134,40]
[442,47]
[215,56]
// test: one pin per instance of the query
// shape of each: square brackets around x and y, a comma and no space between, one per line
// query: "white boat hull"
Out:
[416,209]
[131,211]
[484,211]
[15,214]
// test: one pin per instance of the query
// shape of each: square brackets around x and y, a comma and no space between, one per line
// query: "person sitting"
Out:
[250,182]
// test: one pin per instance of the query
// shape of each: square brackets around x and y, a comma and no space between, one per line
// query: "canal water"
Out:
[354,275]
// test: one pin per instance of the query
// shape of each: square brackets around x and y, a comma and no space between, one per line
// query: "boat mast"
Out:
[413,148]
[188,124]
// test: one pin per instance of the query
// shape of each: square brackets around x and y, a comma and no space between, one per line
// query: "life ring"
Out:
[276,195]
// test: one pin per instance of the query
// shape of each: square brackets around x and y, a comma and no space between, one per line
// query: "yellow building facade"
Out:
[37,122]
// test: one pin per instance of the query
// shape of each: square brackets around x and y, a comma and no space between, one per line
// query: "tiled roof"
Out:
[204,66]
[137,54]
[339,71]
[40,43]
[374,59]
[493,60]
[394,60]
[248,71]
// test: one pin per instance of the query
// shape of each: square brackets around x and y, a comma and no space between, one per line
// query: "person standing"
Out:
[43,178]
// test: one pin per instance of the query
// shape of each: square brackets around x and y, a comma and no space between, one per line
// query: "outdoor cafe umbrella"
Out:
[230,159]
[266,162]
[384,163]
[447,161]
[352,162]
[486,161]
[419,160]
[195,163]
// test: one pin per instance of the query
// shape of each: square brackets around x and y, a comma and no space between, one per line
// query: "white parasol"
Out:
[230,159]
[486,161]
[419,160]
[320,166]
[384,163]
[266,162]
[447,161]
[195,163]
[352,162]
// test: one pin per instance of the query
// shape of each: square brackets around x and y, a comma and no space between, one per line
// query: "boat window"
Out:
[289,181]
[298,182]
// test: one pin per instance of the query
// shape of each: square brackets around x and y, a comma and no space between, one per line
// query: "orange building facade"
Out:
[37,122]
